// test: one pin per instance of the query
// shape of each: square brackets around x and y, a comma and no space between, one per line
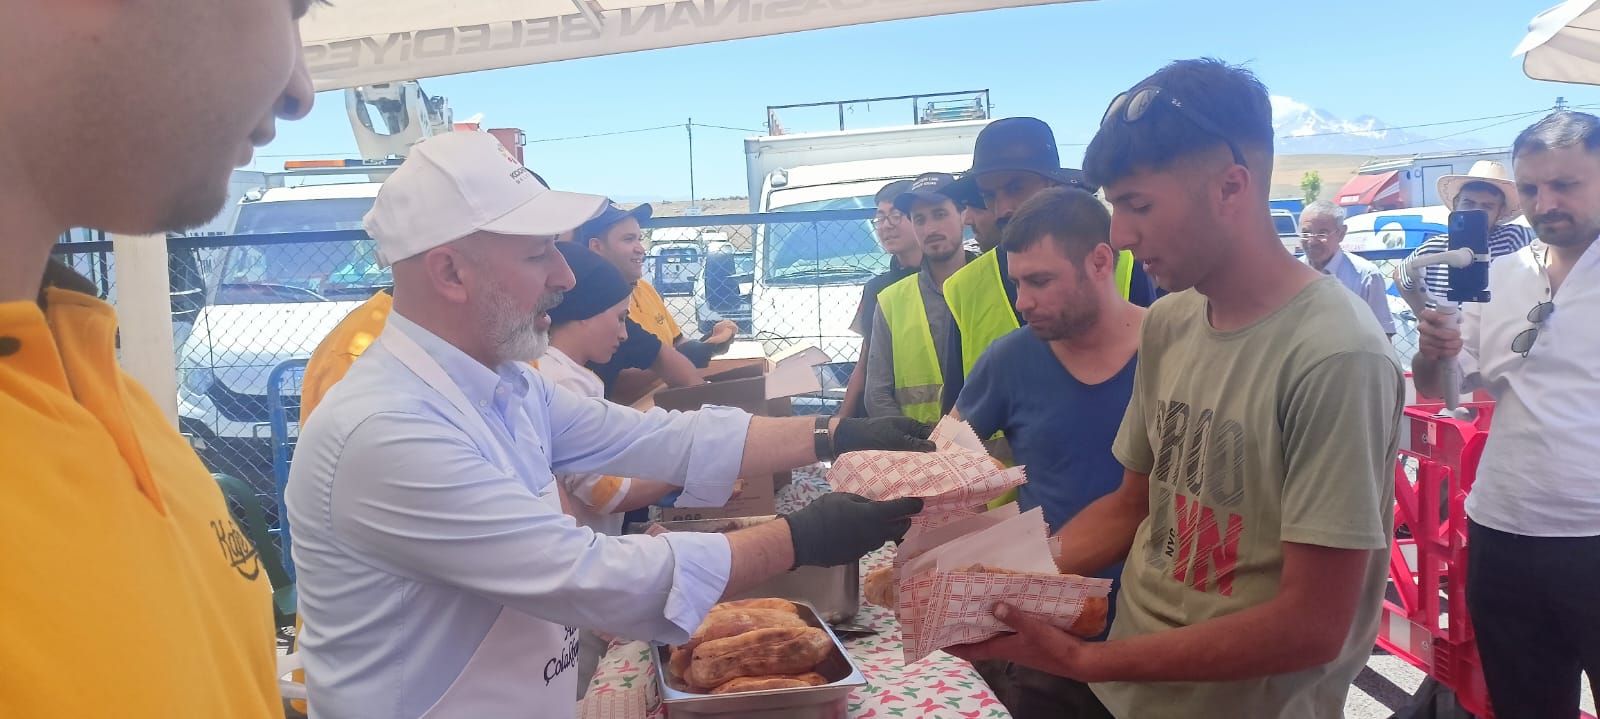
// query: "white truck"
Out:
[268,300]
[809,276]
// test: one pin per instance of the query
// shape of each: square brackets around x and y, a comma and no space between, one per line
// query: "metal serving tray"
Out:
[829,701]
[835,592]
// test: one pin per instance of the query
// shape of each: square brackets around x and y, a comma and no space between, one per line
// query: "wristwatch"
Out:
[822,439]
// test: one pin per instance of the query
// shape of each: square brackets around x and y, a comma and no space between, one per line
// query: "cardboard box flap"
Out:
[793,372]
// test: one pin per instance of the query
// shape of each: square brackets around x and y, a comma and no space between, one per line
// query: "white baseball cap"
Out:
[458,183]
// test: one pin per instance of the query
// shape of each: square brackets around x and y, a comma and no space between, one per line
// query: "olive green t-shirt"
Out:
[1284,431]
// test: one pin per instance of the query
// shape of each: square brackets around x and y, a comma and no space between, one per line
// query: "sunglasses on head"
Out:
[1135,105]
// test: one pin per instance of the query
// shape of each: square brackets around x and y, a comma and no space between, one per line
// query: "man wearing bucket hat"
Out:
[1486,186]
[1013,160]
[912,321]
[437,575]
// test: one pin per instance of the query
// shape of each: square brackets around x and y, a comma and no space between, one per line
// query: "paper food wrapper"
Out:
[941,604]
[955,481]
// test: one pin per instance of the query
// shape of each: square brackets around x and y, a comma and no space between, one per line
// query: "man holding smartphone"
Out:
[1533,576]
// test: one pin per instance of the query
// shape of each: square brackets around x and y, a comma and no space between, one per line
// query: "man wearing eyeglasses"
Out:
[1533,575]
[1258,444]
[905,256]
[1321,237]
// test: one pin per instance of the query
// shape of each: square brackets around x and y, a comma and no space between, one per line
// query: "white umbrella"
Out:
[363,42]
[1563,44]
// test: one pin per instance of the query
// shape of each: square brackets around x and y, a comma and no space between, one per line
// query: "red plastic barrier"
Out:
[1431,632]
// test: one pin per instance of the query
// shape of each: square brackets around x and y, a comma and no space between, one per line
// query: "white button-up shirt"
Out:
[1367,281]
[413,530]
[1540,472]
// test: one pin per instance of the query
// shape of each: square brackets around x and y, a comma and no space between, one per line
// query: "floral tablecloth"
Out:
[938,687]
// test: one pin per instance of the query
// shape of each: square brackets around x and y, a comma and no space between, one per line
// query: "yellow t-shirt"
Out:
[127,590]
[648,309]
[339,350]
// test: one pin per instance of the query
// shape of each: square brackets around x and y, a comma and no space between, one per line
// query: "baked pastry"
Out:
[880,588]
[758,684]
[729,623]
[782,605]
[763,652]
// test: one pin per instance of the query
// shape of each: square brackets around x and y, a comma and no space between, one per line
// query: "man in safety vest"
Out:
[912,322]
[1015,158]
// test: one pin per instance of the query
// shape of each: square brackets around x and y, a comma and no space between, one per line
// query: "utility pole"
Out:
[1561,104]
[689,126]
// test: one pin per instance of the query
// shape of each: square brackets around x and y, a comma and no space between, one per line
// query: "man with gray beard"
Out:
[438,575]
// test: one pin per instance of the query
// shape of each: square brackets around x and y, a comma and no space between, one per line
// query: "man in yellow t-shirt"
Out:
[336,352]
[655,348]
[127,589]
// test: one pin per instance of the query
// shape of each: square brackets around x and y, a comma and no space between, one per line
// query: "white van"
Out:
[268,302]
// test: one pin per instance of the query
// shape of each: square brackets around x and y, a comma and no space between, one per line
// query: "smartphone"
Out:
[1470,229]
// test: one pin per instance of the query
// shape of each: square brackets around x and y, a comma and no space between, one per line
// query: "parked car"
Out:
[1288,229]
[722,291]
[673,267]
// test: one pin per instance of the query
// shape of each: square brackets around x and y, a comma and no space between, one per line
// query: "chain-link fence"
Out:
[245,308]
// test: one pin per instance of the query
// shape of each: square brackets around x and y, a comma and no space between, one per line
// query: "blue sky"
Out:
[1407,62]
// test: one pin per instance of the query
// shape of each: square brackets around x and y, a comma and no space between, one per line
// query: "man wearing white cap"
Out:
[1486,186]
[437,575]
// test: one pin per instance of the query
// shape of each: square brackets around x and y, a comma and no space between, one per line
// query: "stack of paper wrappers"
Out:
[939,603]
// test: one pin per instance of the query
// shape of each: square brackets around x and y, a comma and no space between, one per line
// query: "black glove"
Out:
[902,434]
[839,527]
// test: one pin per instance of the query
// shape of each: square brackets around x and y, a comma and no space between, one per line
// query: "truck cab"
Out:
[809,276]
[268,302]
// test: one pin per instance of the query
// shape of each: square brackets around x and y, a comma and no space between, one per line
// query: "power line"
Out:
[1509,120]
[606,134]
[1410,127]
[725,127]
[1439,123]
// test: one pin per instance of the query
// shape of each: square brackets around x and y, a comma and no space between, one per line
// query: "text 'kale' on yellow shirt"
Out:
[126,589]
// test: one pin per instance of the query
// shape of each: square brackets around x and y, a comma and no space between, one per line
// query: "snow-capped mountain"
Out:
[1303,129]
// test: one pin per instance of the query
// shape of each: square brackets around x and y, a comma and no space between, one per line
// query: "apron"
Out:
[525,667]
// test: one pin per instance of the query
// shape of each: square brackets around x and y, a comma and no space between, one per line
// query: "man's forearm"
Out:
[776,444]
[758,554]
[1306,624]
[675,369]
[1266,639]
[1101,534]
[1428,375]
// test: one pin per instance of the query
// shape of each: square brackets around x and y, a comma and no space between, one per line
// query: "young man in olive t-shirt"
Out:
[1259,442]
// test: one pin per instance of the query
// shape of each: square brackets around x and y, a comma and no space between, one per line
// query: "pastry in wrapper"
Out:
[761,684]
[1091,620]
[879,587]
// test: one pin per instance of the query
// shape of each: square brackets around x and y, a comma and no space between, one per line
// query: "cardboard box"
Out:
[761,387]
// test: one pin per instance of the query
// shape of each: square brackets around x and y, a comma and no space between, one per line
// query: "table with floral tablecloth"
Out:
[938,687]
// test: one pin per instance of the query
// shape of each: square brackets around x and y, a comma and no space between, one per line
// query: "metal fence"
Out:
[244,306]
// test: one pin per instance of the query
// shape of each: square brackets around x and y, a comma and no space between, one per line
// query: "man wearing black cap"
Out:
[912,320]
[1015,158]
[655,348]
[905,255]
